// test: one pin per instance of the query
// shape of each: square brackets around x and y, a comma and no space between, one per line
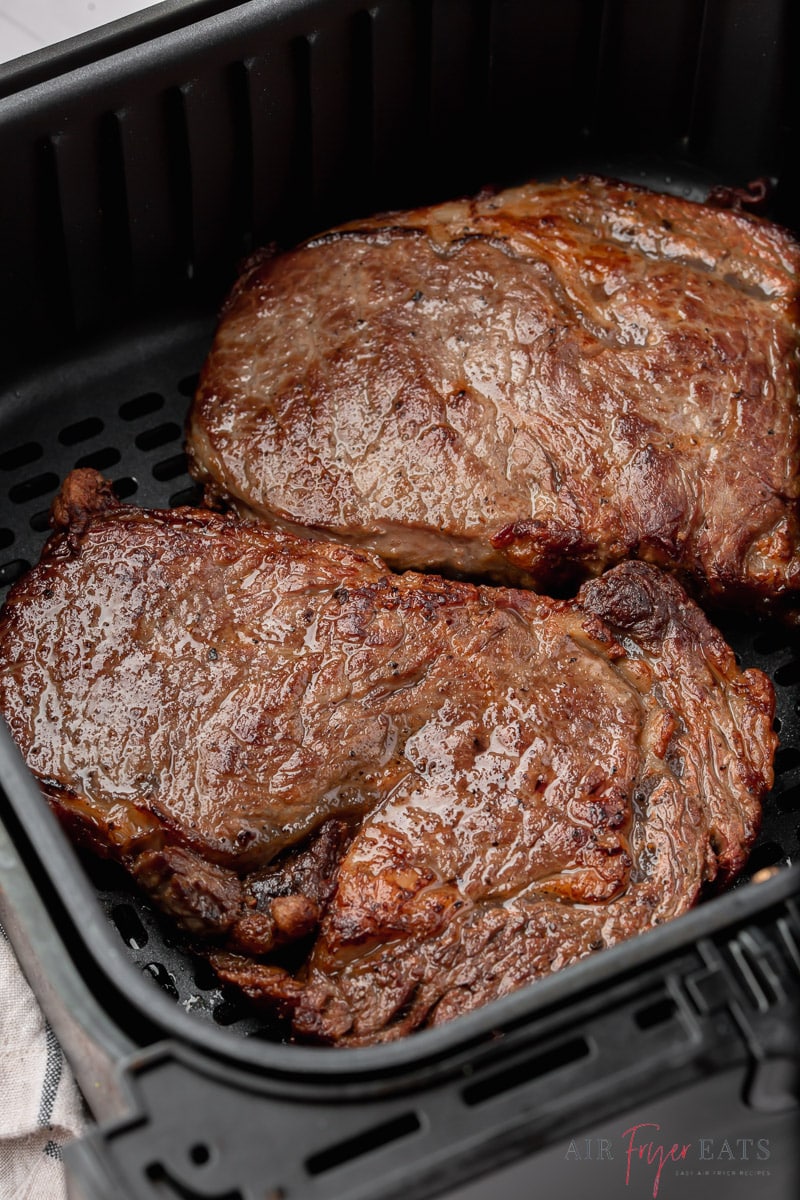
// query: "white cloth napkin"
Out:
[40,1105]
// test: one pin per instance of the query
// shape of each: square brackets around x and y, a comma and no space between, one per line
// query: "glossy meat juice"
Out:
[441,790]
[529,386]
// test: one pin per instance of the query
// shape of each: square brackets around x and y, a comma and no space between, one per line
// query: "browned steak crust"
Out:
[530,386]
[494,784]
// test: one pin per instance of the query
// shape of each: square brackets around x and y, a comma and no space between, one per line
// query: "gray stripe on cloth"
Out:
[52,1076]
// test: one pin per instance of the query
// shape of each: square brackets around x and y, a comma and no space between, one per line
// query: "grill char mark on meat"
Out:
[456,789]
[529,386]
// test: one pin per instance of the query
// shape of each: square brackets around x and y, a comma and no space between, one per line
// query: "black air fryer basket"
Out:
[140,164]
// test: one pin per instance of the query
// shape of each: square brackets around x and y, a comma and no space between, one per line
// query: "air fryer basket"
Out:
[139,181]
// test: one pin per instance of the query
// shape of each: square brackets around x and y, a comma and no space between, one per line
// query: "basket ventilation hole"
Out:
[788,674]
[10,572]
[40,521]
[129,926]
[125,487]
[164,978]
[204,977]
[520,1073]
[81,431]
[789,801]
[200,1154]
[31,489]
[20,456]
[141,406]
[6,538]
[170,468]
[228,1012]
[191,496]
[160,435]
[364,1143]
[101,460]
[787,759]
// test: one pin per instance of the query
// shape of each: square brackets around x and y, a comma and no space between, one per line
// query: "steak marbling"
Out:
[529,386]
[447,790]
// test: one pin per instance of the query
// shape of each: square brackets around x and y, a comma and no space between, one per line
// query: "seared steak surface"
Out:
[446,790]
[529,386]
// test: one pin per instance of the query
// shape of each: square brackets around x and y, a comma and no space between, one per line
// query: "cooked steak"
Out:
[451,789]
[529,386]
